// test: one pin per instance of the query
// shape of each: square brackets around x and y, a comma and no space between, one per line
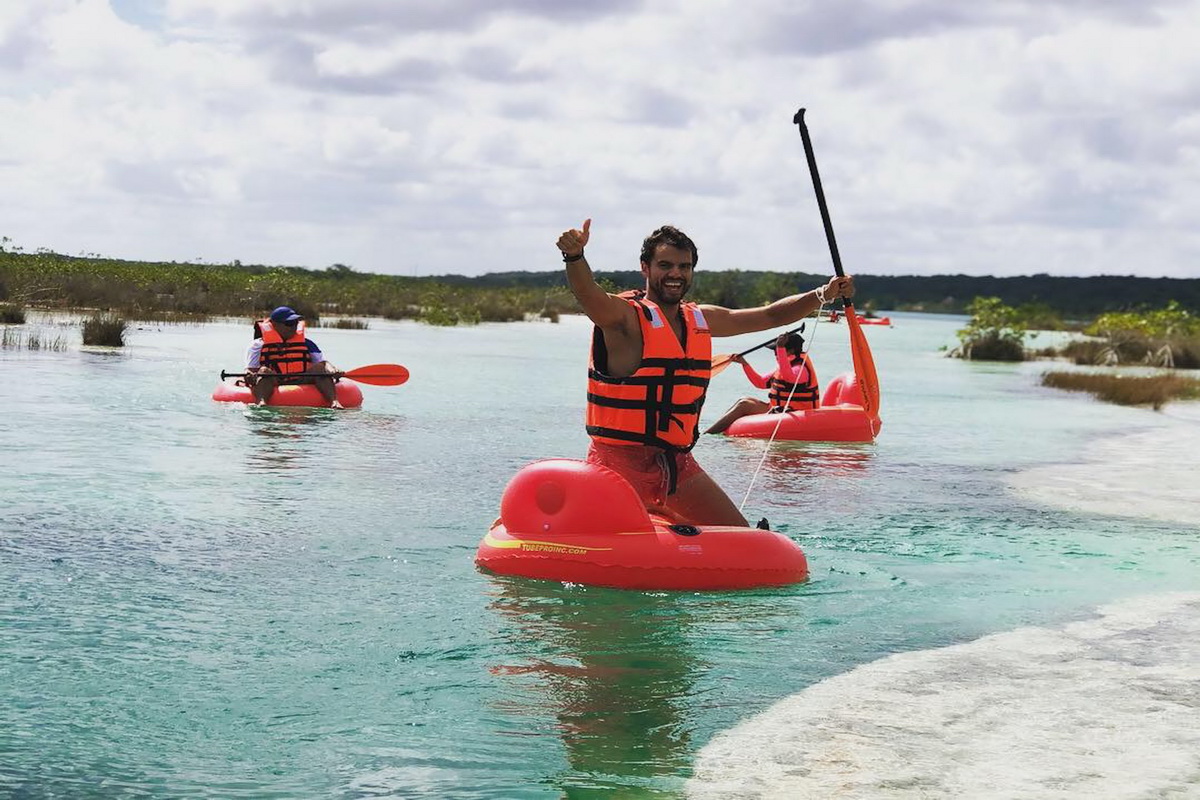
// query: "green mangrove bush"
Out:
[1168,337]
[995,332]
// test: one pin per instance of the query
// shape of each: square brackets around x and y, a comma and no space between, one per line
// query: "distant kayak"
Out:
[303,394]
[835,316]
[833,424]
[567,520]
[840,418]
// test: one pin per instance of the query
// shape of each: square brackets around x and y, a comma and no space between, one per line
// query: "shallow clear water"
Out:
[200,599]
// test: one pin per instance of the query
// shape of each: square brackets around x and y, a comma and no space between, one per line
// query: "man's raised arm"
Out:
[731,322]
[601,307]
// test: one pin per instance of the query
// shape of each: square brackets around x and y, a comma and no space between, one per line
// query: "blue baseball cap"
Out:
[285,314]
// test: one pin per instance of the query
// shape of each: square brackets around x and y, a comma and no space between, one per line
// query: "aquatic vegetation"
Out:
[13,338]
[104,330]
[1127,390]
[1167,337]
[995,332]
[345,324]
[11,315]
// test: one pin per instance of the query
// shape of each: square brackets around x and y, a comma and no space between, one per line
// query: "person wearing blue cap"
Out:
[281,348]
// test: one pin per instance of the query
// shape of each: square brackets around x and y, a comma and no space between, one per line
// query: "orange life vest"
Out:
[282,356]
[659,404]
[803,395]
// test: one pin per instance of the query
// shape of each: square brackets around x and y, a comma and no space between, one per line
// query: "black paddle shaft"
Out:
[770,342]
[225,374]
[816,179]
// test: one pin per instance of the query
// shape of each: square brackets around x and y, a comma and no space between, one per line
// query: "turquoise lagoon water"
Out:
[207,600]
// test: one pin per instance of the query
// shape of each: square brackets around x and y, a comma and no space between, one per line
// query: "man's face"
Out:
[286,329]
[668,275]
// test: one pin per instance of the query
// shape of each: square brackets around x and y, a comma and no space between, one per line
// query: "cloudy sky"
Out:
[423,137]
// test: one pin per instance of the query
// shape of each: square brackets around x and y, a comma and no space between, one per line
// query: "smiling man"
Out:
[650,365]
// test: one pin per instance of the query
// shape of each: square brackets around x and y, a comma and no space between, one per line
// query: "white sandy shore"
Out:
[1159,466]
[1105,708]
[1102,708]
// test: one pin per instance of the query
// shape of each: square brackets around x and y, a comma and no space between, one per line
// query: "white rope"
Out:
[767,448]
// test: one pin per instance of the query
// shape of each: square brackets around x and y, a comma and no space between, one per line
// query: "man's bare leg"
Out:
[263,387]
[742,408]
[700,501]
[326,386]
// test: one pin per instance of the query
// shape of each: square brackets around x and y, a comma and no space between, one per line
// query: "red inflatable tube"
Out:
[301,394]
[571,521]
[825,424]
[840,418]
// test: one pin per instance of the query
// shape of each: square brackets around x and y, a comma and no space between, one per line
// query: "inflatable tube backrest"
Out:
[843,390]
[563,497]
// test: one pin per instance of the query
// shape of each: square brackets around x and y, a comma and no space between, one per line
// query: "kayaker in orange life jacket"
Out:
[650,365]
[282,348]
[792,386]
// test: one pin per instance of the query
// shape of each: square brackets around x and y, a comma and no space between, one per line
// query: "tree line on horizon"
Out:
[1074,298]
[141,289]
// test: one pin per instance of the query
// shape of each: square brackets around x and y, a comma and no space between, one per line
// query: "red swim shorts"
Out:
[644,467]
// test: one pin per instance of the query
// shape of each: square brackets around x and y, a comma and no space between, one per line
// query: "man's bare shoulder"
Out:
[718,318]
[622,331]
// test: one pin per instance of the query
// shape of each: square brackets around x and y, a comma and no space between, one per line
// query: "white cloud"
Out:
[462,135]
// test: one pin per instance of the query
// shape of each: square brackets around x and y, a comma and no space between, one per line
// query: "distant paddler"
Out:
[792,386]
[282,348]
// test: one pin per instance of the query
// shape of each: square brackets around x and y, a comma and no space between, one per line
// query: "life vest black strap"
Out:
[678,364]
[637,405]
[645,309]
[781,391]
[669,462]
[622,436]
[803,395]
[648,380]
[635,438]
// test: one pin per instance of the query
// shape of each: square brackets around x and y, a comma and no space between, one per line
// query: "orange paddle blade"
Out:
[864,365]
[719,363]
[379,374]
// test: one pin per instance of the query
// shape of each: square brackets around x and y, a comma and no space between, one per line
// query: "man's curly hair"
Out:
[668,234]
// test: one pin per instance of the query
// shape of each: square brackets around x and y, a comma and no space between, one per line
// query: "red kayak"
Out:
[835,316]
[840,418]
[301,394]
[567,520]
